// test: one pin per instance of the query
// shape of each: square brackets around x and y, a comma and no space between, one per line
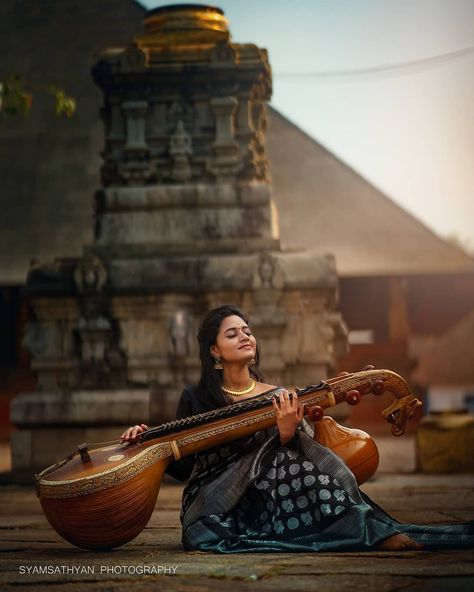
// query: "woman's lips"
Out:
[246,346]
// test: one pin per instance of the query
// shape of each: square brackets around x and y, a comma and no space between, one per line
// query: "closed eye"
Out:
[233,333]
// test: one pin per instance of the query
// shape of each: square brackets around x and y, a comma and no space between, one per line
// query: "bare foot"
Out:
[399,542]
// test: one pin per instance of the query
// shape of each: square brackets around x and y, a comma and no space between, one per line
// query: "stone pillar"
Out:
[135,112]
[226,161]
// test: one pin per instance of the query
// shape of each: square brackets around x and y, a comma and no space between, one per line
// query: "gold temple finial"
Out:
[183,24]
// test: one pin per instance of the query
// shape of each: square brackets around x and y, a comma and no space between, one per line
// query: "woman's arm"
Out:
[182,468]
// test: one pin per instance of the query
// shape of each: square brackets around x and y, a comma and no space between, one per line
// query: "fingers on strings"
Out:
[286,403]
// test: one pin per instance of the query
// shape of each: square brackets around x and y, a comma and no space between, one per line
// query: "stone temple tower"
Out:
[184,221]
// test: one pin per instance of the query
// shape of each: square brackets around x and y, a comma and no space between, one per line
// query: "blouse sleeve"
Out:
[182,469]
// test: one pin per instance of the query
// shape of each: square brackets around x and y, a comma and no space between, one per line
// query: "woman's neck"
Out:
[237,377]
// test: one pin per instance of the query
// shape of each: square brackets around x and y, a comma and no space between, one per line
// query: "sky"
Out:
[409,129]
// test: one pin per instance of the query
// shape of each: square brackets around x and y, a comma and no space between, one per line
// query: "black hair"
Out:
[211,380]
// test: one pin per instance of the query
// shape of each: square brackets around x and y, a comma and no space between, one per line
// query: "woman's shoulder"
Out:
[193,398]
[185,403]
[192,390]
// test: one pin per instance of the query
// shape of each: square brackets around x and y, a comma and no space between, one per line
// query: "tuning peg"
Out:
[83,451]
[377,387]
[353,397]
[393,417]
[316,413]
[368,367]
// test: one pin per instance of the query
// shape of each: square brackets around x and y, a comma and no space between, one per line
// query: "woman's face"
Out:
[234,342]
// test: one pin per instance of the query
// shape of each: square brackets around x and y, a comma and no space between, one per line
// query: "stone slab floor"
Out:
[27,541]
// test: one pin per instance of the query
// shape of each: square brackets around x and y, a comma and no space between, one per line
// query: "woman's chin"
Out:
[245,357]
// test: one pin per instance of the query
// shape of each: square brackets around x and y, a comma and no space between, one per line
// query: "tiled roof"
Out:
[326,206]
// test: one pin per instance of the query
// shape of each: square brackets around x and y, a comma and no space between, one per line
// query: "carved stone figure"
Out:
[180,150]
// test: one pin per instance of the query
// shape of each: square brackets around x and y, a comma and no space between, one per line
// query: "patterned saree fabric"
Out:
[255,495]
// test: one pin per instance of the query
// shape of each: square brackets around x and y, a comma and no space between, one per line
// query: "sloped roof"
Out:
[326,206]
[448,360]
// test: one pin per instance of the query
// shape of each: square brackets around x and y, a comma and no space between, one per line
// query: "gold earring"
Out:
[217,363]
[251,362]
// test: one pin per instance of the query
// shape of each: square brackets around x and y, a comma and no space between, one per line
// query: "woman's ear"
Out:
[214,351]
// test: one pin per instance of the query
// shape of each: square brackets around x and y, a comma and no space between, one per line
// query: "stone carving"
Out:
[268,314]
[223,55]
[180,142]
[116,128]
[257,145]
[34,338]
[180,150]
[180,334]
[226,162]
[136,167]
[93,325]
[179,111]
[90,275]
[101,360]
[269,274]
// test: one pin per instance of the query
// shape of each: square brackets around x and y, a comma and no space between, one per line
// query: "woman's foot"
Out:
[399,542]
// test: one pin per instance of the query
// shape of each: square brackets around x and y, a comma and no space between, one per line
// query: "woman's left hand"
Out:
[288,415]
[132,433]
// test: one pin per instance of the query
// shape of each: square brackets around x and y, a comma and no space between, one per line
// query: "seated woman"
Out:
[277,490]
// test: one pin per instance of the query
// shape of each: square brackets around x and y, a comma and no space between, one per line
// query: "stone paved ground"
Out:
[27,541]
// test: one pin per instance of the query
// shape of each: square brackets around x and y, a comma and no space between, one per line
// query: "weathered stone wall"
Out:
[49,166]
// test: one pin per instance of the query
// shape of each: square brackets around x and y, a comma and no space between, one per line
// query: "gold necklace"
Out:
[238,393]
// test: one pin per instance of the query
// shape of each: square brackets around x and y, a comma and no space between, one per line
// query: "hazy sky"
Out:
[408,130]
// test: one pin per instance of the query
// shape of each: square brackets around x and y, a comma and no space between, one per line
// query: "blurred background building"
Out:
[401,287]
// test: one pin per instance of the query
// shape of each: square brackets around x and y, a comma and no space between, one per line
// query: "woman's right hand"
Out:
[288,415]
[131,434]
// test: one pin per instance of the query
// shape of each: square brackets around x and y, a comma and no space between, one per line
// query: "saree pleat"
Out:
[254,495]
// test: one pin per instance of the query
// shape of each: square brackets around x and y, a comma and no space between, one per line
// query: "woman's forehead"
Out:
[232,321]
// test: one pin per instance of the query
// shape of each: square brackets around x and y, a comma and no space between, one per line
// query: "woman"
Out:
[277,490]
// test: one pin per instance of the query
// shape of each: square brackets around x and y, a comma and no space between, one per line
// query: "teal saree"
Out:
[254,495]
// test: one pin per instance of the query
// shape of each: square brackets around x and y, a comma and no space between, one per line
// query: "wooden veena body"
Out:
[102,498]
